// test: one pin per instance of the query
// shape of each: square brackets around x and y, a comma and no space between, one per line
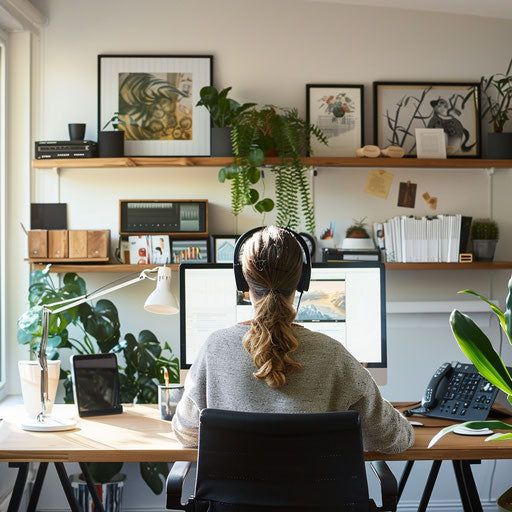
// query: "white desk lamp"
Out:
[161,301]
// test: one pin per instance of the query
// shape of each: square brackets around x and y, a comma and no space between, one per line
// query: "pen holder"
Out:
[168,398]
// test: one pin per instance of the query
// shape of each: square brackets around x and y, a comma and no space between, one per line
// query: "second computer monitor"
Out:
[345,301]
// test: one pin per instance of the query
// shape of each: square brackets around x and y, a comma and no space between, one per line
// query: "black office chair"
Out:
[278,463]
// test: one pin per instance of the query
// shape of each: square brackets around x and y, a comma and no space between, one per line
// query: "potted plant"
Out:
[357,237]
[224,113]
[98,328]
[111,142]
[477,347]
[485,234]
[497,94]
[265,131]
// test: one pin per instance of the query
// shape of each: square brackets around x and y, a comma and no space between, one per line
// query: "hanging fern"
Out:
[257,131]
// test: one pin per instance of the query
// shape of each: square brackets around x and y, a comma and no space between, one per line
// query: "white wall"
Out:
[268,50]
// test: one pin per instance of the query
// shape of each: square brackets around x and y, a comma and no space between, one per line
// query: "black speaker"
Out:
[48,216]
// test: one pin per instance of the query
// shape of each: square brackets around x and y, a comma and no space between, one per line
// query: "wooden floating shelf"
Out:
[60,268]
[132,162]
[478,265]
[69,260]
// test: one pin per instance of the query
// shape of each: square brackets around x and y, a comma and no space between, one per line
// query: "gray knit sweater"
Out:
[330,379]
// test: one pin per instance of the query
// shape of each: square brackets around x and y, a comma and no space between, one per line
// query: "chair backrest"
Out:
[300,462]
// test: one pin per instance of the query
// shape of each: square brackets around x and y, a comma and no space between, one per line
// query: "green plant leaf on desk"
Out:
[500,314]
[499,437]
[474,425]
[477,347]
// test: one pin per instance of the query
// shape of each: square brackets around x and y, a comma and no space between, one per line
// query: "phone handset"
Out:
[429,399]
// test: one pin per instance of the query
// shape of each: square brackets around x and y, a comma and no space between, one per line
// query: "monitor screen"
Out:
[345,301]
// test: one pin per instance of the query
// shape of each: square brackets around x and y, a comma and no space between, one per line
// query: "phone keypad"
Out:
[468,395]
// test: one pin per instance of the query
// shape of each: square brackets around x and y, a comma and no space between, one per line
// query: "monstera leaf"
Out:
[154,474]
[101,321]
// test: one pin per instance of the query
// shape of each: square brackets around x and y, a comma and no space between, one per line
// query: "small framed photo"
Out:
[160,249]
[338,110]
[454,107]
[430,142]
[190,251]
[155,98]
[223,248]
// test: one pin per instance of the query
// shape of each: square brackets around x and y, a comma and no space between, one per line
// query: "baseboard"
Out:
[444,506]
[405,506]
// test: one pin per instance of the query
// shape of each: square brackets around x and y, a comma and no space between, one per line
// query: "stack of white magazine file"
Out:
[421,240]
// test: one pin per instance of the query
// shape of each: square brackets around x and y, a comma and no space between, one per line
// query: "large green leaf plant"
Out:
[92,329]
[479,350]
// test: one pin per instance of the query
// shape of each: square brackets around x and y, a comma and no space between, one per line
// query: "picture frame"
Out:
[338,110]
[400,107]
[223,248]
[195,250]
[430,143]
[155,98]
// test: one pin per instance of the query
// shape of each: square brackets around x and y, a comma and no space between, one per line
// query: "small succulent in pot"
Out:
[357,229]
[485,229]
[485,235]
[357,237]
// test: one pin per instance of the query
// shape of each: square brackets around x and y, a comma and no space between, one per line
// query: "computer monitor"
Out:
[345,301]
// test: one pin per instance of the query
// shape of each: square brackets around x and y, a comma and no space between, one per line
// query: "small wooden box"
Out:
[57,243]
[98,242]
[38,243]
[78,243]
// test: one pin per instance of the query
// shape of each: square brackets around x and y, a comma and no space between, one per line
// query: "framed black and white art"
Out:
[401,107]
[338,110]
[223,248]
[154,97]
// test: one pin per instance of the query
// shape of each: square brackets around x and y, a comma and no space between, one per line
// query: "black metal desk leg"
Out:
[403,479]
[461,484]
[38,484]
[469,482]
[19,485]
[92,489]
[64,481]
[429,486]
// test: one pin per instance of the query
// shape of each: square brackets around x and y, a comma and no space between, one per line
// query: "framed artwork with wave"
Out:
[154,97]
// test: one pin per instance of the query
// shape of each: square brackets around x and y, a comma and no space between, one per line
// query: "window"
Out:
[3,357]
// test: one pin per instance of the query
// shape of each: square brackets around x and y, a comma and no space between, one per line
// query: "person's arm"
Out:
[384,428]
[185,422]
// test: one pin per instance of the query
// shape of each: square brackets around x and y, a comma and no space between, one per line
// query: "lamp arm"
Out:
[47,311]
[85,298]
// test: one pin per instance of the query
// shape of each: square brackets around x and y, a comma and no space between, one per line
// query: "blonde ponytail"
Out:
[272,265]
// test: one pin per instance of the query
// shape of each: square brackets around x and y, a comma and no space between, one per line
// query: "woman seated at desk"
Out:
[271,364]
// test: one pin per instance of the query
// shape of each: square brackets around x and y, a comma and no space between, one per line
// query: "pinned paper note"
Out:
[407,194]
[431,201]
[379,182]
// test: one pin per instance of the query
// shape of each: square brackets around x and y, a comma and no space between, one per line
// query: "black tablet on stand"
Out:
[96,384]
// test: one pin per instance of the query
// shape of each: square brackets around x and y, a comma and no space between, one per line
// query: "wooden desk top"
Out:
[138,435]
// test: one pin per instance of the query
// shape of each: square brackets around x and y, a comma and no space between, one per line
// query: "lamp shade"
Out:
[161,300]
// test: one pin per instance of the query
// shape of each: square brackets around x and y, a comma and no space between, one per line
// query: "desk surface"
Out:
[138,435]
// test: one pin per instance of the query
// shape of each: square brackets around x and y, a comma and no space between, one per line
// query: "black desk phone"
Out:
[457,391]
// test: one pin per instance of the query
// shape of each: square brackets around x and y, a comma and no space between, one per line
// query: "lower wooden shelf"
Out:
[60,268]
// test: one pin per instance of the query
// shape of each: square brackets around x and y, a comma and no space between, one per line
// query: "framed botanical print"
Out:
[190,251]
[401,107]
[223,248]
[338,110]
[154,98]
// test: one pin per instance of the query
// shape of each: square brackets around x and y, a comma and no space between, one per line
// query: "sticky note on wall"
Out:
[379,183]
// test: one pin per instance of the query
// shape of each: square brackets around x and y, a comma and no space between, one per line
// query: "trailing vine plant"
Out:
[262,131]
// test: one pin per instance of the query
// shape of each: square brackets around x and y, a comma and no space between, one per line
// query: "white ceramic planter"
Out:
[30,376]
